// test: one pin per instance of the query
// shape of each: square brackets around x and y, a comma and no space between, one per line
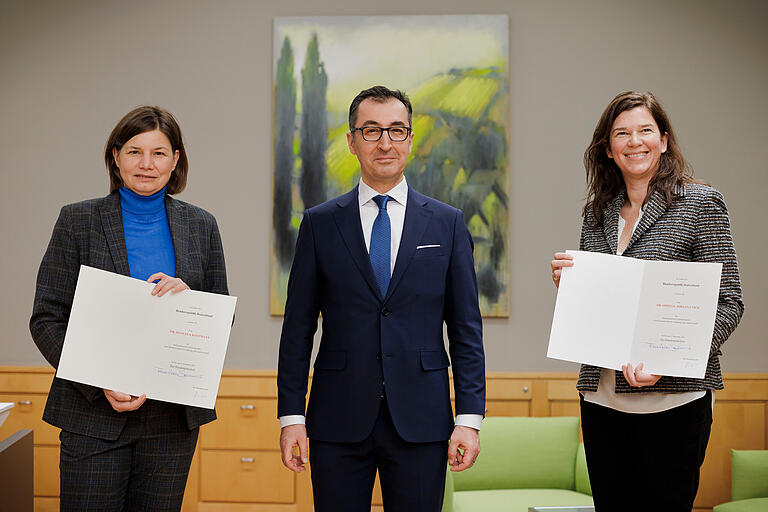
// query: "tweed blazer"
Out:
[91,233]
[695,227]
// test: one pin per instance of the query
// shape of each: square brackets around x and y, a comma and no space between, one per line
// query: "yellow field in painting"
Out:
[466,94]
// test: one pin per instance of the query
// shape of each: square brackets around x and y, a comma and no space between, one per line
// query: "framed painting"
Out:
[455,69]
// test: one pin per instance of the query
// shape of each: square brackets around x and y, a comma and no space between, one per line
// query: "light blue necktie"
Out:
[381,247]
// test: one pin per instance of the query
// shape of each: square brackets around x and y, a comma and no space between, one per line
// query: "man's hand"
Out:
[464,448]
[122,402]
[291,437]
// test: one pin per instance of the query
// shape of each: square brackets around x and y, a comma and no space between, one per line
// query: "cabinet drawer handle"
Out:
[24,402]
[248,407]
[246,459]
[525,389]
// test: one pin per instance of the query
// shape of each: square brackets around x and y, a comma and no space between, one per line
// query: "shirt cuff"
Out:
[469,420]
[294,419]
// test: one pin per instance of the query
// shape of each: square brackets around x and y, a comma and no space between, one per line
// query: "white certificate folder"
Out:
[123,338]
[612,310]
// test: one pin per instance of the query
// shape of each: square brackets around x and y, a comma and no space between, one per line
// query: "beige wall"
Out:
[70,70]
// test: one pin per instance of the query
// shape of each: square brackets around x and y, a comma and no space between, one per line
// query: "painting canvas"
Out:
[455,69]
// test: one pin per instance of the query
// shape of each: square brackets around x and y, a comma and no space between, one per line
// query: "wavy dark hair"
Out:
[604,179]
[145,119]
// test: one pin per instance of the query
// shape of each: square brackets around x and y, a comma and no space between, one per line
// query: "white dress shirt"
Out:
[369,210]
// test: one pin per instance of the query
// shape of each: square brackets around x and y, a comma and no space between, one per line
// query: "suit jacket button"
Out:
[378,356]
[385,312]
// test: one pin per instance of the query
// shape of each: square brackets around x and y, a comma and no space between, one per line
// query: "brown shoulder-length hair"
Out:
[604,179]
[145,119]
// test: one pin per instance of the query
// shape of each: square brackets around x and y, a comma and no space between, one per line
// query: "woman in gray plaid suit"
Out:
[645,436]
[121,452]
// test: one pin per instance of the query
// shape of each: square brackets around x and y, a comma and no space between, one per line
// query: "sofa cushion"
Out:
[749,474]
[523,453]
[516,500]
[750,505]
[582,475]
[448,494]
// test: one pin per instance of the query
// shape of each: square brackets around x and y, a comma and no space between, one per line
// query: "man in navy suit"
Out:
[385,266]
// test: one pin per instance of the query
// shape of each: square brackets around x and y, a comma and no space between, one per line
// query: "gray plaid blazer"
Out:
[91,233]
[695,227]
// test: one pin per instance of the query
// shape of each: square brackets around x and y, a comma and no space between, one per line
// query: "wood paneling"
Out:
[739,425]
[47,471]
[220,482]
[564,389]
[744,387]
[246,507]
[245,476]
[563,408]
[46,504]
[247,383]
[303,490]
[28,380]
[190,502]
[243,423]
[377,491]
[509,389]
[28,413]
[507,408]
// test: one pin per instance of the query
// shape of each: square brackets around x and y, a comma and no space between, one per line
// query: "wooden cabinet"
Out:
[237,466]
[244,476]
[243,423]
[27,388]
[28,413]
[47,471]
[240,467]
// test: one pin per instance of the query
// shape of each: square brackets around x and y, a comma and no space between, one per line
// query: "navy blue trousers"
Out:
[640,462]
[412,475]
[146,468]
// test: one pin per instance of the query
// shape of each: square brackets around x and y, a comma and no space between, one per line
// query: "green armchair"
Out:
[523,462]
[749,482]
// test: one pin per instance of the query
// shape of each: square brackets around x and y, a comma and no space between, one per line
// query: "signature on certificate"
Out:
[179,370]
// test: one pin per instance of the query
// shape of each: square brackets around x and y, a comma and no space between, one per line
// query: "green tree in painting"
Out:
[314,127]
[285,121]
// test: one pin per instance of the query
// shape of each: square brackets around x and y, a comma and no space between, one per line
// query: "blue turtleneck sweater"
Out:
[147,234]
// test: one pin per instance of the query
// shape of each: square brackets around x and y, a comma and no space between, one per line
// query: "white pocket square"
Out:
[426,246]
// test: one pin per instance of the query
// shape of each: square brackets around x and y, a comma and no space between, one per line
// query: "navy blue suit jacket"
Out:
[369,340]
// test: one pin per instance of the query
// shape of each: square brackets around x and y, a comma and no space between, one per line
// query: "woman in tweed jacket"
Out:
[645,436]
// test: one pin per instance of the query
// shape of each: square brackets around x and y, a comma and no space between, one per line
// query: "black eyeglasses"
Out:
[374,133]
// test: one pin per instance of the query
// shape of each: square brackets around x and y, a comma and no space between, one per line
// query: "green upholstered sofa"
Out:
[523,462]
[749,482]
